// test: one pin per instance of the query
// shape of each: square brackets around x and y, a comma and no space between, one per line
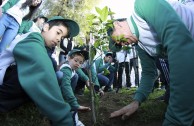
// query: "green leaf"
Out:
[106,72]
[104,14]
[98,10]
[91,17]
[97,44]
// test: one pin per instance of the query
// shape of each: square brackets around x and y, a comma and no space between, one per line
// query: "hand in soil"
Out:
[83,109]
[101,92]
[126,111]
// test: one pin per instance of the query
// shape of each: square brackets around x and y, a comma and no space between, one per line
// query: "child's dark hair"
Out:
[71,56]
[41,16]
[57,23]
[33,9]
[76,53]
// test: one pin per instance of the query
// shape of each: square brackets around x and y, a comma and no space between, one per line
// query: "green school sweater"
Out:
[38,79]
[66,88]
[25,26]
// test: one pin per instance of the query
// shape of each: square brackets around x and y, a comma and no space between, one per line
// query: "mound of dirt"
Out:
[109,103]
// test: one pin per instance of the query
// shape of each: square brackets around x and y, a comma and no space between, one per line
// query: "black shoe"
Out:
[108,89]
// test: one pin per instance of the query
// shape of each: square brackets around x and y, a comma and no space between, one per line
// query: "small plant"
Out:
[98,26]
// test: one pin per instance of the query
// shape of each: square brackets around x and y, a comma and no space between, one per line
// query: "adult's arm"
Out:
[179,45]
[148,75]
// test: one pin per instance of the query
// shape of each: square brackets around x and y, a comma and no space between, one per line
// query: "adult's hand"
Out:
[126,111]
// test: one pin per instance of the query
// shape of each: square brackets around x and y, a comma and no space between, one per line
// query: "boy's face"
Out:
[108,59]
[122,28]
[40,22]
[76,61]
[54,35]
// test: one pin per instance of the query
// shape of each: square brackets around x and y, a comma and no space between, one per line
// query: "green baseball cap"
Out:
[73,26]
[108,54]
[84,53]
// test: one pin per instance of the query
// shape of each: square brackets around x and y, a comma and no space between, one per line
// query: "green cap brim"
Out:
[73,26]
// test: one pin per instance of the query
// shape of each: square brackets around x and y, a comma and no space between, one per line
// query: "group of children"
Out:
[27,70]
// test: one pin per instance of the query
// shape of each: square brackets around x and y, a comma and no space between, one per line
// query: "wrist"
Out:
[136,102]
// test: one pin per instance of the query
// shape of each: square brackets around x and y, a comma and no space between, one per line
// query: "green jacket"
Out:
[9,4]
[66,88]
[38,79]
[100,67]
[82,75]
[25,26]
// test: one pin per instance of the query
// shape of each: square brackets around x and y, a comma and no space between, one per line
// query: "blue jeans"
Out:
[9,29]
[106,80]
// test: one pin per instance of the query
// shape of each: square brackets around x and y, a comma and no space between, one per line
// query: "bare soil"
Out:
[113,101]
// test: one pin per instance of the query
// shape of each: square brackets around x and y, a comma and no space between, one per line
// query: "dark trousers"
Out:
[162,65]
[120,73]
[11,93]
[134,64]
[81,84]
[106,80]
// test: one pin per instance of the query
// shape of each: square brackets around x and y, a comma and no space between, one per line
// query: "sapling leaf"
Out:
[106,72]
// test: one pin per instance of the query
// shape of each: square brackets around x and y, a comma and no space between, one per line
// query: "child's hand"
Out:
[88,84]
[83,108]
[101,92]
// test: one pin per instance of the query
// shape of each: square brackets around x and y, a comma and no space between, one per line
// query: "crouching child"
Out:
[75,60]
[27,73]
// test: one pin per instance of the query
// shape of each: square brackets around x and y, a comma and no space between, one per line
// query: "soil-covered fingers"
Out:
[130,109]
[128,113]
[118,112]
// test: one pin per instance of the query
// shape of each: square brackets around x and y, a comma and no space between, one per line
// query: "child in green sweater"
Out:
[27,73]
[75,60]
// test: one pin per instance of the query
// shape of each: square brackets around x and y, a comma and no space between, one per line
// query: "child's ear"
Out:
[46,27]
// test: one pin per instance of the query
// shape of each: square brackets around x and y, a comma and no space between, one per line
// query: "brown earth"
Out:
[113,101]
